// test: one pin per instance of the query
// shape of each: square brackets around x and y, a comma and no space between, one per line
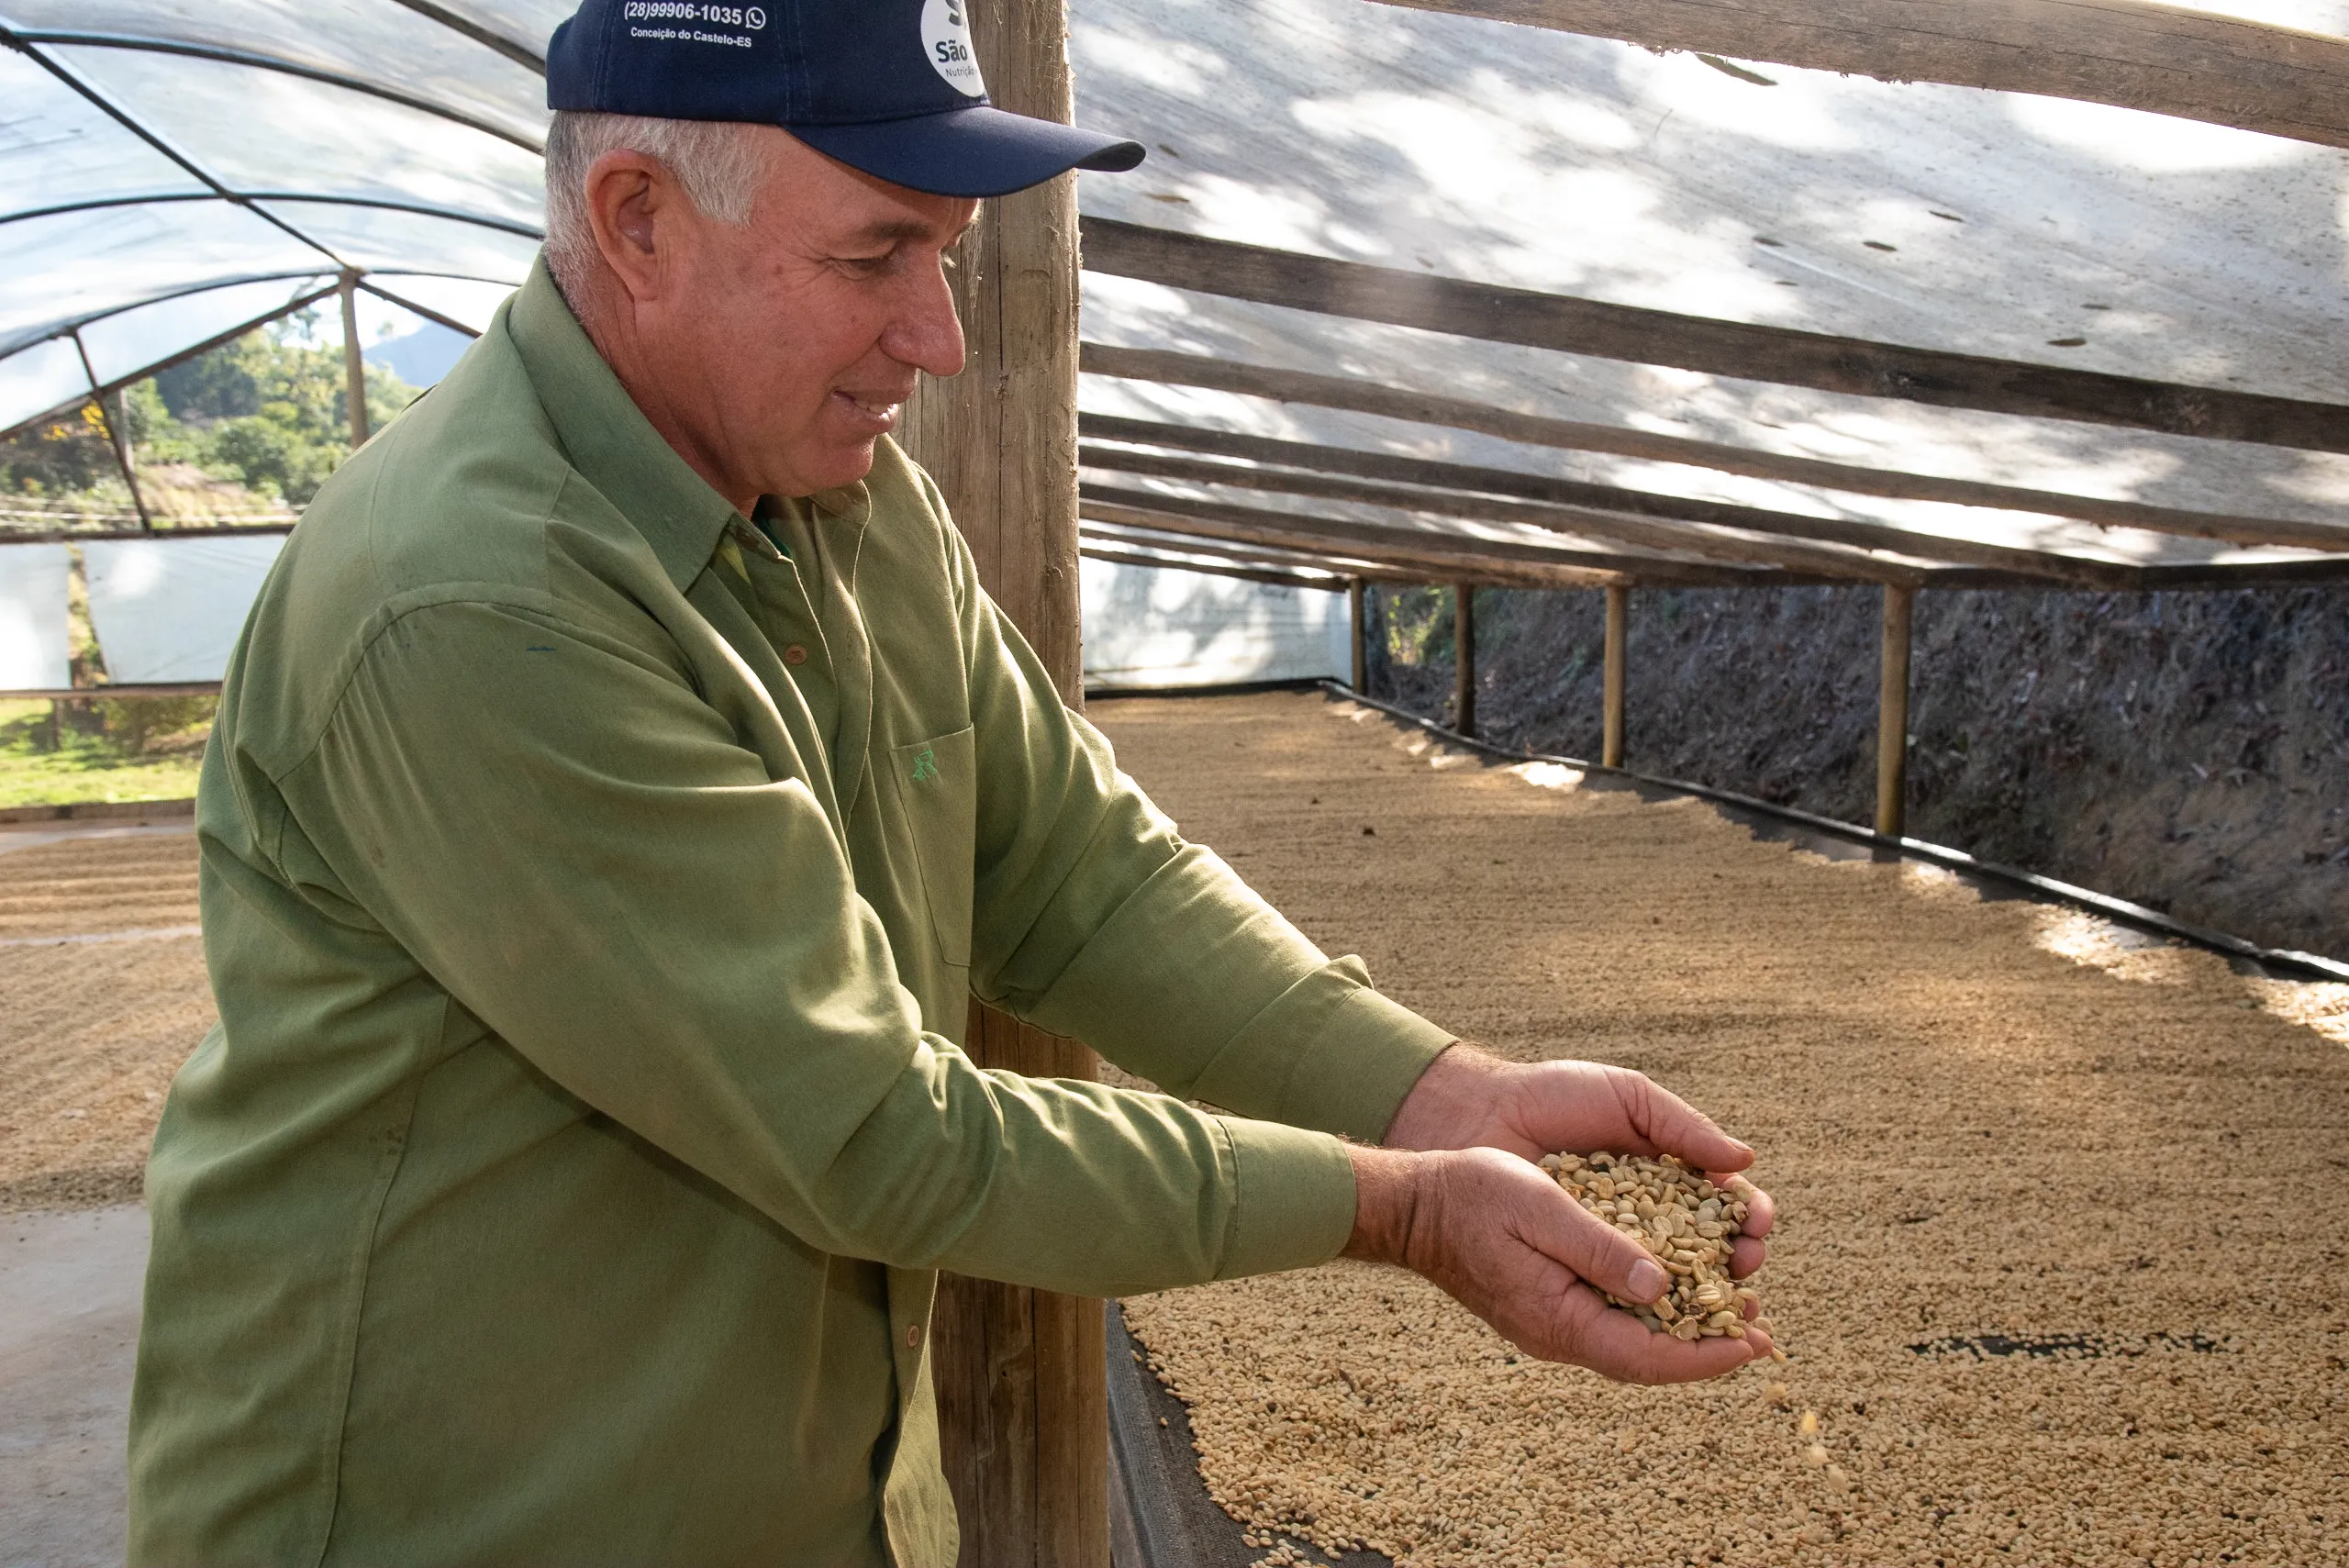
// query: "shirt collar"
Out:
[615,447]
[607,437]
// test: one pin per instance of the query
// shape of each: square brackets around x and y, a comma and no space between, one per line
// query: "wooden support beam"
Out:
[118,427]
[1358,608]
[354,361]
[1892,715]
[1783,355]
[99,536]
[1269,541]
[1463,659]
[2127,52]
[112,691]
[1362,396]
[1275,558]
[1400,544]
[1619,621]
[115,410]
[1614,500]
[1207,568]
[1116,536]
[1673,539]
[1996,565]
[1022,1390]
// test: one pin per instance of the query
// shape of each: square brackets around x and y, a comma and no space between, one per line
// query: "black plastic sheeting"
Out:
[1160,1513]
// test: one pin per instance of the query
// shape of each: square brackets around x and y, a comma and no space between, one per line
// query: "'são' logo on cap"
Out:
[946,44]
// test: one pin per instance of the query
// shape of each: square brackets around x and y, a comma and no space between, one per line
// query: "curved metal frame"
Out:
[99,390]
[221,54]
[72,329]
[488,38]
[79,322]
[31,43]
[247,198]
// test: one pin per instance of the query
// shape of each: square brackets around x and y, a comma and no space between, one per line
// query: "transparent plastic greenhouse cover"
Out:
[171,173]
[139,221]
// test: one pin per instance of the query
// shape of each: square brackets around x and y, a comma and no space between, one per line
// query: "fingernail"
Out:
[1647,1279]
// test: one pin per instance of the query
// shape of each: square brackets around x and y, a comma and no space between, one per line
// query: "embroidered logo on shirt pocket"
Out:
[936,784]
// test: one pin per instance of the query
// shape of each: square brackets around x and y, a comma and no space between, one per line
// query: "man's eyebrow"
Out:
[896,230]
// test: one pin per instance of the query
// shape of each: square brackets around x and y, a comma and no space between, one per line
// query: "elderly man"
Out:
[621,789]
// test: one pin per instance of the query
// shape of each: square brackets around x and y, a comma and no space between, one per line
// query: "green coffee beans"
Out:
[1684,1221]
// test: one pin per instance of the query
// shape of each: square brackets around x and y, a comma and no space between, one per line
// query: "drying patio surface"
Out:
[1994,1128]
[105,996]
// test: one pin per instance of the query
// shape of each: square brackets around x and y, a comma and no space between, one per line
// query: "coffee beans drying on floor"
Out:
[2004,1142]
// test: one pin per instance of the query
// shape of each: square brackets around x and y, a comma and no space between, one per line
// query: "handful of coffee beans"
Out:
[1685,1223]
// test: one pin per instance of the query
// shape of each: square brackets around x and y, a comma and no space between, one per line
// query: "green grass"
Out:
[94,764]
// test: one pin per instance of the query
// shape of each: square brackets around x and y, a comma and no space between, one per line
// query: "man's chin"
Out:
[844,464]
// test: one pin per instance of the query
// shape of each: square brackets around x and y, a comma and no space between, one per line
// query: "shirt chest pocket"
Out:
[935,785]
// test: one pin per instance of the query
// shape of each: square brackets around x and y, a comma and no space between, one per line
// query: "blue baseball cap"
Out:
[887,86]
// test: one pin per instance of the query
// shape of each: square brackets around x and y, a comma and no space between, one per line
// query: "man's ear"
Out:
[632,202]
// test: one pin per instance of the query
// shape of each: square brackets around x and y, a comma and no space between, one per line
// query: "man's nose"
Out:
[926,333]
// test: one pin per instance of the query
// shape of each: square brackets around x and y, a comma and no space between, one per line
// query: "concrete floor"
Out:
[69,1326]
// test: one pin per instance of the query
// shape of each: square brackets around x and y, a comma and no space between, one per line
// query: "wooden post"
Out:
[116,416]
[354,362]
[1892,715]
[1463,658]
[1022,1393]
[1357,604]
[2227,70]
[1618,617]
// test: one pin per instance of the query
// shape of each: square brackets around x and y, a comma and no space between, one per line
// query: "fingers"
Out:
[1561,1229]
[1760,1213]
[1747,1252]
[1616,1345]
[1503,1240]
[1670,1125]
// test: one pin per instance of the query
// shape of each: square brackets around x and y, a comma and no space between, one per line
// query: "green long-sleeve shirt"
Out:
[593,893]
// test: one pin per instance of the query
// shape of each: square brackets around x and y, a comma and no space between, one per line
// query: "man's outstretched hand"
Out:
[1455,1195]
[1468,1099]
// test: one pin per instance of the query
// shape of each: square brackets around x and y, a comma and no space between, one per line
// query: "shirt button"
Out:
[913,1335]
[795,655]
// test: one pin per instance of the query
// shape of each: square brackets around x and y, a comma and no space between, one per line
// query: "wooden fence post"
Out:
[1463,658]
[354,361]
[1892,714]
[1022,1395]
[1357,605]
[1619,617]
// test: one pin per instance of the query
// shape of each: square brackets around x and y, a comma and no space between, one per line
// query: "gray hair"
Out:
[721,163]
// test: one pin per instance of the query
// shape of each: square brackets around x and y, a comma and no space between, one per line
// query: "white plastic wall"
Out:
[1149,627]
[34,653]
[169,611]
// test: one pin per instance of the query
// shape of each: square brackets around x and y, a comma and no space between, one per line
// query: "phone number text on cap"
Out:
[681,11]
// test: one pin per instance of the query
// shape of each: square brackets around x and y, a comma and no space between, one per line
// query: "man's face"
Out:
[780,351]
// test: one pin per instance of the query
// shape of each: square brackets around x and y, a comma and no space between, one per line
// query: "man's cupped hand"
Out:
[1455,1195]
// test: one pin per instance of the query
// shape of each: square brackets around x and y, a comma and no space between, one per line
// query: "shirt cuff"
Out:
[1329,1052]
[1294,1198]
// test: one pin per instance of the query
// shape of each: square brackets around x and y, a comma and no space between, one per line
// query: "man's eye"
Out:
[862,266]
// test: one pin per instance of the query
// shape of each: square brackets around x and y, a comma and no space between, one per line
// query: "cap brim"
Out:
[977,151]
